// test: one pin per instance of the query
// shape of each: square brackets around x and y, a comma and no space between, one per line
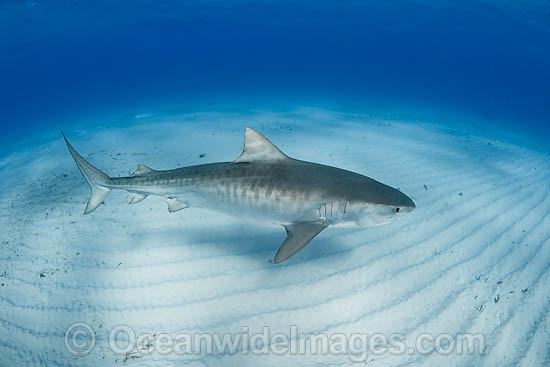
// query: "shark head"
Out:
[370,215]
[382,207]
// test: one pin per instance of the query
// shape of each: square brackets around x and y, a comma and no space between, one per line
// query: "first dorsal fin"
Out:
[258,148]
[141,170]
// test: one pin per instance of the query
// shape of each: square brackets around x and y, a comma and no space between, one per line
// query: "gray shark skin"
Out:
[262,185]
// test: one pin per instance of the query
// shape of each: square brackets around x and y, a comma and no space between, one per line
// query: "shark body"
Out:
[261,185]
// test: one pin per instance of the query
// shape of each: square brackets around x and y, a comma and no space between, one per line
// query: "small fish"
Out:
[261,185]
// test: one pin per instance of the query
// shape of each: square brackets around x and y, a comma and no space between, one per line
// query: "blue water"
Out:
[66,62]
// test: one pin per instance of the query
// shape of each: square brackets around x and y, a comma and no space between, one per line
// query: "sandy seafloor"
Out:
[472,258]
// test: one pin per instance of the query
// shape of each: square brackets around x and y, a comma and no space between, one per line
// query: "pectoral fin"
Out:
[298,235]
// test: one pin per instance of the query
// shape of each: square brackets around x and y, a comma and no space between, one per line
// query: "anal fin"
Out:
[136,198]
[175,205]
[298,235]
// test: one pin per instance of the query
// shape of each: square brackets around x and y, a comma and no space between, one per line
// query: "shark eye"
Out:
[397,210]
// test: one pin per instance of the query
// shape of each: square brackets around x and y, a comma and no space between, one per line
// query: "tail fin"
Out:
[97,180]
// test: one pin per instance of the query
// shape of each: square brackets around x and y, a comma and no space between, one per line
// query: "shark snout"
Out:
[404,209]
[404,204]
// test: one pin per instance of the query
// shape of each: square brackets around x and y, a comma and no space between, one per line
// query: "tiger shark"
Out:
[261,185]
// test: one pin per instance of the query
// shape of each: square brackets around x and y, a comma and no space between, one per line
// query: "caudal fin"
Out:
[98,181]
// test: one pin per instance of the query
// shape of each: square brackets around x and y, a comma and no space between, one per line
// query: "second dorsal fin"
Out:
[258,148]
[141,170]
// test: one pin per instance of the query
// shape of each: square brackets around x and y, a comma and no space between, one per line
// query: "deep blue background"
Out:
[62,61]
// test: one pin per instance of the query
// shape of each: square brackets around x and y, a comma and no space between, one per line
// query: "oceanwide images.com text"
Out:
[81,339]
